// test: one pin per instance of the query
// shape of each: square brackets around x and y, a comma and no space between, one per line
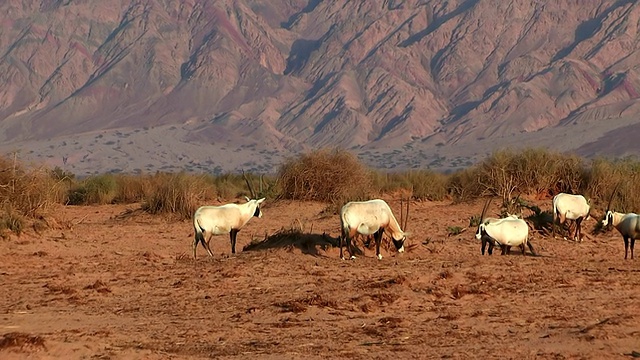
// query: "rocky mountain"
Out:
[143,85]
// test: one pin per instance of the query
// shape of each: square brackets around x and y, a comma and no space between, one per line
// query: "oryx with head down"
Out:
[371,217]
[224,219]
[627,224]
[570,207]
[506,232]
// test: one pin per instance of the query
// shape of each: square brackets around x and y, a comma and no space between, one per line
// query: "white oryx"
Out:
[627,224]
[371,217]
[224,219]
[570,207]
[505,232]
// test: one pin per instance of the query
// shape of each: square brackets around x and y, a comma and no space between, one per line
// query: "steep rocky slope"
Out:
[412,79]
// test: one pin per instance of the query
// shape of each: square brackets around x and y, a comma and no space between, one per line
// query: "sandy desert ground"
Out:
[112,283]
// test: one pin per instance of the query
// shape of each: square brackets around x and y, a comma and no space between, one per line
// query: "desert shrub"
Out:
[178,194]
[132,188]
[422,184]
[28,193]
[506,173]
[231,186]
[94,190]
[323,175]
[604,175]
[464,185]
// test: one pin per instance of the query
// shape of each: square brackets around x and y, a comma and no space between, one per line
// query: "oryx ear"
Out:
[259,201]
[246,197]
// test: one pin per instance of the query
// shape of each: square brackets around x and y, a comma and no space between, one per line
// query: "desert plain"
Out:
[112,282]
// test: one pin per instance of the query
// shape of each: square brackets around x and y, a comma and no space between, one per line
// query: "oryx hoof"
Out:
[353,257]
[379,256]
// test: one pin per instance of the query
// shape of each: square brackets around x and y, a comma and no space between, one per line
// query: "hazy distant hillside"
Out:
[194,84]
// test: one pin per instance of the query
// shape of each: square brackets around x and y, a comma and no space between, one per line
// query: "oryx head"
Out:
[607,221]
[481,225]
[257,213]
[399,243]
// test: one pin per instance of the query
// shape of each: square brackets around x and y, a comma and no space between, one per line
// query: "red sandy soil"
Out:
[111,284]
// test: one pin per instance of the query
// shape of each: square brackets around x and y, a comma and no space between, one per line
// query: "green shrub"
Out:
[94,190]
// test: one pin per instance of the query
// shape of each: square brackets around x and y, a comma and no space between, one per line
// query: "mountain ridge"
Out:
[411,80]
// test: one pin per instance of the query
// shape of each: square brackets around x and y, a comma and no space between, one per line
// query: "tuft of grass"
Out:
[454,230]
[12,221]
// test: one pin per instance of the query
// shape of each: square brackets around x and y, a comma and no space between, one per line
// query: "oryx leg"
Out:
[626,246]
[562,222]
[233,234]
[531,249]
[378,238]
[352,235]
[195,246]
[578,233]
[205,243]
[486,242]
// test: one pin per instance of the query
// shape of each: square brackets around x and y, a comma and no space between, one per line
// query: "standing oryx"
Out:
[627,224]
[505,232]
[224,219]
[371,217]
[570,207]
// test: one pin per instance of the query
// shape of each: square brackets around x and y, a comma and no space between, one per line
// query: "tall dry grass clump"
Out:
[25,194]
[330,176]
[179,194]
[605,175]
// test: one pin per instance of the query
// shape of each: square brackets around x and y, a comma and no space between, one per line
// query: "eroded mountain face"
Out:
[293,75]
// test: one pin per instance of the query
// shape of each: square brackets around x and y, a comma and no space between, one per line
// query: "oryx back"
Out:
[630,225]
[508,231]
[570,206]
[364,217]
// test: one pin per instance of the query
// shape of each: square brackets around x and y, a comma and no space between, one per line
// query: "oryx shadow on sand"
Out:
[307,243]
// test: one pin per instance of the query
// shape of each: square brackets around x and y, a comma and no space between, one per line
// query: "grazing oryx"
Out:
[505,232]
[570,207]
[224,219]
[627,224]
[371,217]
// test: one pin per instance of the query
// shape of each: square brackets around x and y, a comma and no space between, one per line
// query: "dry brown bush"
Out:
[330,176]
[179,194]
[25,194]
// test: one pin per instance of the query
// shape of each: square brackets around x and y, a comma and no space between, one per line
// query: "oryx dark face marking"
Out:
[257,213]
[398,243]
